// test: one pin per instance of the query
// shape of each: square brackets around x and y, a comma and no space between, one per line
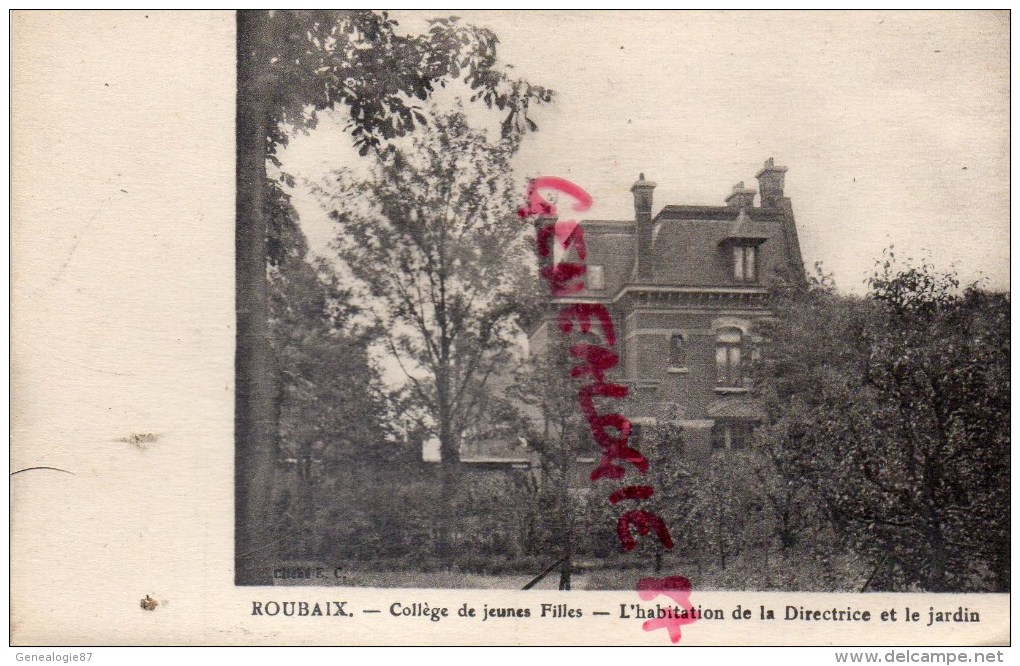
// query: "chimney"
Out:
[540,223]
[642,190]
[770,181]
[740,197]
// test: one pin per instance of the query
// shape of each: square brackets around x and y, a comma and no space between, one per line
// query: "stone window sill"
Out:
[731,389]
[677,371]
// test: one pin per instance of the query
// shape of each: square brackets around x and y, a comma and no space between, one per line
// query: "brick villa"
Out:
[684,287]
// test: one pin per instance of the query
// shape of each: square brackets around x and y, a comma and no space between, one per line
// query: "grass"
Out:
[747,572]
[431,579]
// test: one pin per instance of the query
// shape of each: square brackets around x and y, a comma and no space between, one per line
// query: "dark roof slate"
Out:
[722,213]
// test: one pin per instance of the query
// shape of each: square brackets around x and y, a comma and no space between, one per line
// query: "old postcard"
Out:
[510,328]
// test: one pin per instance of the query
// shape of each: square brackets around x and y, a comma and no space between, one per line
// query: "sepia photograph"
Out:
[339,328]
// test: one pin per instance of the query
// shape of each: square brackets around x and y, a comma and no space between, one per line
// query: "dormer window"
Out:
[743,240]
[745,263]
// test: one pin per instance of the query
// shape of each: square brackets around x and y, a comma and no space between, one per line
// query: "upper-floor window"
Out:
[596,278]
[745,263]
[677,350]
[729,371]
[634,439]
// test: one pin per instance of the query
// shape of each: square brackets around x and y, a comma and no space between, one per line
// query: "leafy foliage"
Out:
[324,385]
[321,59]
[894,409]
[431,242]
[291,66]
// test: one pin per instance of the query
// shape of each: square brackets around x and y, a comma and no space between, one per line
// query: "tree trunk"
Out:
[936,579]
[449,442]
[722,546]
[566,519]
[447,480]
[254,426]
[305,512]
[566,570]
[1001,566]
[449,456]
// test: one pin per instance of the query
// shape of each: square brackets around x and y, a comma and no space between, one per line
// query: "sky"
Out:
[894,126]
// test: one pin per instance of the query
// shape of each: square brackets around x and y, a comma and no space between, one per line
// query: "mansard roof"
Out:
[685,212]
[688,246]
[721,213]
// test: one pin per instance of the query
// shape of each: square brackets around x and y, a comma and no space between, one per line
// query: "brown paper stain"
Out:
[140,439]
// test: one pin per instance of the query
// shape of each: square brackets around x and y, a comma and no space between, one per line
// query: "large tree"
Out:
[555,432]
[290,65]
[319,354]
[432,239]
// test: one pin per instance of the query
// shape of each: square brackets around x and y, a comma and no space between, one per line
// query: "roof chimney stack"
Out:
[642,190]
[770,181]
[741,197]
